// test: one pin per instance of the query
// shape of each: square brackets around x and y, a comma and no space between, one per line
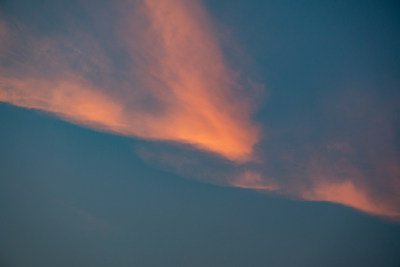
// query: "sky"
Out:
[199,133]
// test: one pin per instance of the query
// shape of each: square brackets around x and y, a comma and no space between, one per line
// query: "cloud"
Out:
[356,162]
[253,180]
[164,77]
[176,87]
[347,193]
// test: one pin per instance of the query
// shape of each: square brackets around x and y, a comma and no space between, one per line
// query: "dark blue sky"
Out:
[76,197]
[311,89]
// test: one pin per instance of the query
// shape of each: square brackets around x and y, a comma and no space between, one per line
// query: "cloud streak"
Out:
[348,194]
[178,87]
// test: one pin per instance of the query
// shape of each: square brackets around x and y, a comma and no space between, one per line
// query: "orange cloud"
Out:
[348,194]
[183,75]
[73,99]
[175,86]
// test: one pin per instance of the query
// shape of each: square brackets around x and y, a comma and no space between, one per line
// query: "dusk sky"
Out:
[199,133]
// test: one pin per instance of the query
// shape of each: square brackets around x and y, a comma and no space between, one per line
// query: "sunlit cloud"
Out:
[182,91]
[348,194]
[164,77]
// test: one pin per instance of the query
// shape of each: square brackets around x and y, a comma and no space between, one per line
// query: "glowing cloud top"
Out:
[178,87]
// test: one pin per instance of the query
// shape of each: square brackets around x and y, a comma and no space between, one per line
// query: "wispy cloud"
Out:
[177,89]
[348,194]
